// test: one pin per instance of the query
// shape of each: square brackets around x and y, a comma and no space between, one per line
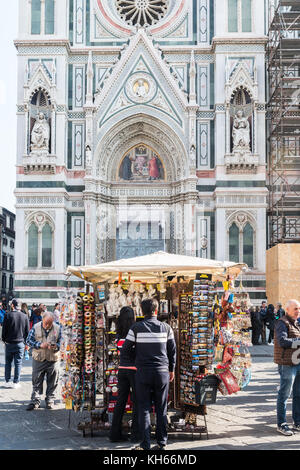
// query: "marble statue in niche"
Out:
[40,134]
[241,132]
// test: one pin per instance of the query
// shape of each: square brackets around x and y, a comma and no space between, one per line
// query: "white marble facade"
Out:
[138,152]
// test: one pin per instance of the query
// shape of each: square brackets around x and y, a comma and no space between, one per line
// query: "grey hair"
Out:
[47,316]
[291,302]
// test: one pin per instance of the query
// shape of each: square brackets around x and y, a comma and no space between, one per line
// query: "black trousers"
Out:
[152,384]
[256,333]
[126,384]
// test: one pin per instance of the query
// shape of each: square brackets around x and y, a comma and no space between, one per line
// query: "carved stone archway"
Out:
[105,192]
[140,129]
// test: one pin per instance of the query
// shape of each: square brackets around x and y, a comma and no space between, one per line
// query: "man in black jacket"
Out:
[14,333]
[155,350]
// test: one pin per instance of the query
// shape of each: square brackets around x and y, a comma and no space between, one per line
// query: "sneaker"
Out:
[296,427]
[8,384]
[16,385]
[158,447]
[32,406]
[49,406]
[285,430]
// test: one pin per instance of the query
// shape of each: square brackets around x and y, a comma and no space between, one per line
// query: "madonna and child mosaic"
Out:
[141,164]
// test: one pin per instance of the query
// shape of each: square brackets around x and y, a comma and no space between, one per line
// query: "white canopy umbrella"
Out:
[155,268]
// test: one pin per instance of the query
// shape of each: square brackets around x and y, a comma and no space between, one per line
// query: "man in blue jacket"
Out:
[2,314]
[155,351]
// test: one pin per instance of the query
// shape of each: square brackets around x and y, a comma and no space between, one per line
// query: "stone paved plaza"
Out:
[245,421]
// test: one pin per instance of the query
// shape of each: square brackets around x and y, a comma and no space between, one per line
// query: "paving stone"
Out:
[245,421]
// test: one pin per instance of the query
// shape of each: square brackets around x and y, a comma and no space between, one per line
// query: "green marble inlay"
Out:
[50,184]
[240,184]
[70,84]
[70,145]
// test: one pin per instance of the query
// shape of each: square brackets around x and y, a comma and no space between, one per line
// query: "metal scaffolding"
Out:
[283,67]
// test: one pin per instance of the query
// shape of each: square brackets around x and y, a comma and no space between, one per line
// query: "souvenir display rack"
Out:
[81,350]
[232,340]
[212,338]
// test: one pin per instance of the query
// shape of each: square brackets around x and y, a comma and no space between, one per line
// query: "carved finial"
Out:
[90,77]
[192,79]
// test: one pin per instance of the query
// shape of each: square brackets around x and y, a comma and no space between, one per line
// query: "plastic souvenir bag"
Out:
[229,382]
[219,353]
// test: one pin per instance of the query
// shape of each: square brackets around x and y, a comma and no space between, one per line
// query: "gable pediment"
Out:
[241,77]
[39,80]
[141,78]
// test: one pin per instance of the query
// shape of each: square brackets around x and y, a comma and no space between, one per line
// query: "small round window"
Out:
[142,12]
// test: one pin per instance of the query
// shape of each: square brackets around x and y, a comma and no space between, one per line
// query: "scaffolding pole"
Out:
[283,69]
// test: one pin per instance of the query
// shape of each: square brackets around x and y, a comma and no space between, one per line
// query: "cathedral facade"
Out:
[141,127]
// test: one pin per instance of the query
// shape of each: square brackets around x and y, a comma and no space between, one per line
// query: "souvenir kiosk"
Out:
[197,297]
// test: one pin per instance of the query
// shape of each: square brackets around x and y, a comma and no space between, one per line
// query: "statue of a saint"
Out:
[141,89]
[40,133]
[241,132]
[88,156]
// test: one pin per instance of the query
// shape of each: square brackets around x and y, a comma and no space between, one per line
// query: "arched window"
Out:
[248,243]
[33,246]
[239,16]
[241,243]
[46,246]
[40,244]
[234,254]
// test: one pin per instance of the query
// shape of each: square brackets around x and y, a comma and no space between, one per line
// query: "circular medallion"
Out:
[141,88]
[142,12]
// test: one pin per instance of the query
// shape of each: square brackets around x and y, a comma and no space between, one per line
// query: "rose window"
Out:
[142,12]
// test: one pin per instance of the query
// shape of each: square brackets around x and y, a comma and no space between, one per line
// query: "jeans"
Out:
[289,382]
[13,352]
[152,383]
[126,385]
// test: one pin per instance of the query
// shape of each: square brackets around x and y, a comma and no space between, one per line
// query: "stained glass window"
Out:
[46,246]
[234,243]
[232,16]
[49,17]
[239,16]
[36,17]
[248,242]
[142,12]
[246,16]
[33,246]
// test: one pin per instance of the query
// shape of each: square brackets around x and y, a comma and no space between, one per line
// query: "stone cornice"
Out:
[42,43]
[239,40]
